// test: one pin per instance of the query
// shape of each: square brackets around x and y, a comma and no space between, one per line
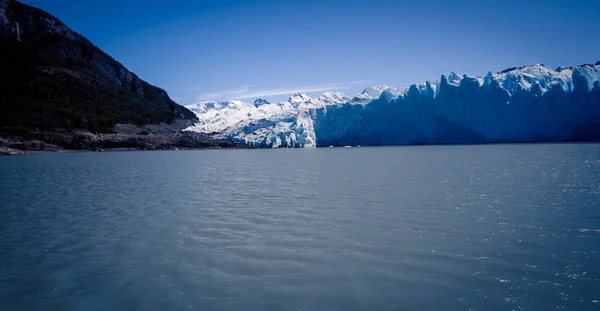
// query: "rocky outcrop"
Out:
[19,141]
[3,18]
[53,77]
[10,151]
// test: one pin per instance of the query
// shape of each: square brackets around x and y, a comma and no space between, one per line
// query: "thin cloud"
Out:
[275,92]
[362,81]
[229,94]
[245,92]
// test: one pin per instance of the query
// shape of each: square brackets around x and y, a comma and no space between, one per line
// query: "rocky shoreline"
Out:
[15,141]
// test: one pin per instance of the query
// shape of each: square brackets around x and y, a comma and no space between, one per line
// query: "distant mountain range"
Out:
[521,104]
[53,78]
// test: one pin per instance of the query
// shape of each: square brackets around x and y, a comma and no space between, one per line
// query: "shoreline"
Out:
[25,142]
[15,152]
[6,151]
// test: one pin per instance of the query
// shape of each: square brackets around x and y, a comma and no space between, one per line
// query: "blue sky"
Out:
[226,49]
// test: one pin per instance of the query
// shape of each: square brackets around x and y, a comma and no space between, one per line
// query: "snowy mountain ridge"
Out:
[531,103]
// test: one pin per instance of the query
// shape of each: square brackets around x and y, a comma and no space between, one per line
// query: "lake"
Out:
[483,227]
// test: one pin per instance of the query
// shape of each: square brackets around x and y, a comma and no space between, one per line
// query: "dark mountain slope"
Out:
[53,78]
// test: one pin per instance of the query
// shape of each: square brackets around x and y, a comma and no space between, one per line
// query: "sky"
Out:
[201,50]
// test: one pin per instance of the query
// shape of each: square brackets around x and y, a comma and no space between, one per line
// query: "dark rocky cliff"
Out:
[53,78]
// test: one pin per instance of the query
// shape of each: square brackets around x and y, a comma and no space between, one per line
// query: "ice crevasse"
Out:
[524,104]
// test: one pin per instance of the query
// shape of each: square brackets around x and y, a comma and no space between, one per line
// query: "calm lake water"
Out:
[491,227]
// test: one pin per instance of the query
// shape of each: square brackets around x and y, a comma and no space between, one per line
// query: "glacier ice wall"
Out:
[524,104]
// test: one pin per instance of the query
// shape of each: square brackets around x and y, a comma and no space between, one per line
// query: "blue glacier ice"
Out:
[523,104]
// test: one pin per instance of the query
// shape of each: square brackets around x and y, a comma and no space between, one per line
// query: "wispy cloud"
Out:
[362,81]
[229,94]
[308,89]
[246,92]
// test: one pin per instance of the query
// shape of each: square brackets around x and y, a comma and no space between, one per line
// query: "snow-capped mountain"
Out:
[531,103]
[284,124]
[259,102]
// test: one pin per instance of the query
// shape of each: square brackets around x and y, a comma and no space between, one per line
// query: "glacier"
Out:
[522,104]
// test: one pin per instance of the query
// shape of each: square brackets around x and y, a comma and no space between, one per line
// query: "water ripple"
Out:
[418,228]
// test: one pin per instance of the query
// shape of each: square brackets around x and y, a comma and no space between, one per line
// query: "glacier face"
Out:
[524,104]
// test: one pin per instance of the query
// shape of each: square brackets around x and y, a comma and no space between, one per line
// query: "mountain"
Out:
[259,102]
[283,124]
[521,104]
[53,78]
